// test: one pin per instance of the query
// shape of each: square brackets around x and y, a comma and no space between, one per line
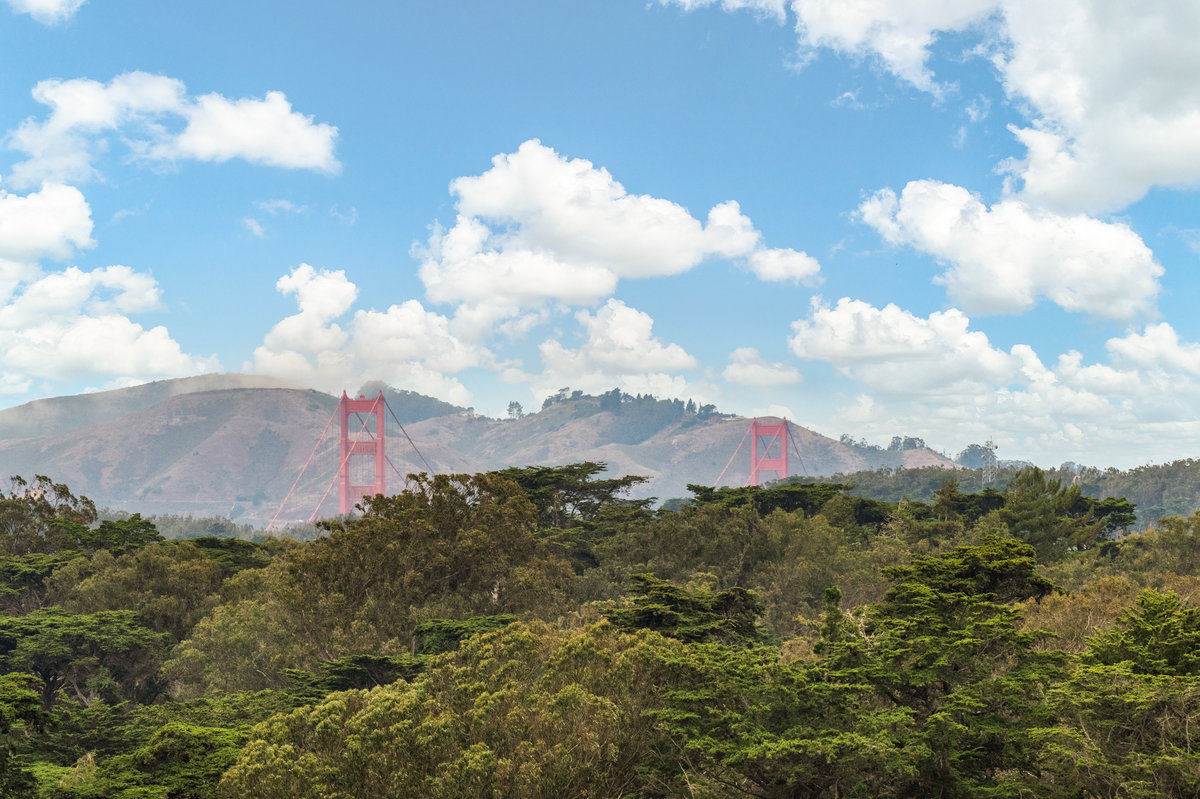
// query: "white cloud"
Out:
[47,12]
[277,206]
[144,112]
[322,297]
[103,346]
[404,345]
[897,353]
[786,265]
[1107,87]
[407,332]
[1114,100]
[51,223]
[264,131]
[936,378]
[72,325]
[254,226]
[1002,259]
[770,8]
[897,32]
[100,291]
[620,351]
[538,227]
[778,411]
[1157,347]
[748,368]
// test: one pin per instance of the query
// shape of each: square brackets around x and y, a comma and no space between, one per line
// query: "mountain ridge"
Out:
[233,445]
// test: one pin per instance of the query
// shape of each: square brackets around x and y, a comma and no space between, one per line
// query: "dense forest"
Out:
[532,632]
[1157,490]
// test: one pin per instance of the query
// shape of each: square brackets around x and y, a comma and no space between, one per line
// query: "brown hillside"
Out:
[214,446]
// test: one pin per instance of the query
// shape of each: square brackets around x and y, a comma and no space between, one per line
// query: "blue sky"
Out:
[955,219]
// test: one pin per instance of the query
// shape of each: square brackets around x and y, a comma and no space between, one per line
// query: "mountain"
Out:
[234,445]
[52,417]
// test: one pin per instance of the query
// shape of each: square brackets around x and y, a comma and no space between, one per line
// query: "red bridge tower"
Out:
[768,434]
[366,442]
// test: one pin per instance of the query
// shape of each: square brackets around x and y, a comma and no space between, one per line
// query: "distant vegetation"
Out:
[533,632]
[410,406]
[637,417]
[1171,489]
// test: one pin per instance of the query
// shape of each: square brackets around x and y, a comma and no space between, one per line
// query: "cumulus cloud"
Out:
[538,227]
[144,112]
[897,353]
[620,351]
[1004,258]
[936,377]
[1157,347]
[263,131]
[1107,88]
[748,368]
[51,223]
[404,345]
[47,12]
[1115,106]
[898,33]
[73,324]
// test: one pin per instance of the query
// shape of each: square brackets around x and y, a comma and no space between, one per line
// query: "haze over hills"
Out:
[234,444]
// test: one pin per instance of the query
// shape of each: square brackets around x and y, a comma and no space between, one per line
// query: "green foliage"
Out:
[452,546]
[159,750]
[575,510]
[1159,636]
[353,672]
[188,759]
[697,616]
[1053,517]
[945,649]
[117,536]
[786,559]
[931,692]
[999,567]
[438,636]
[20,709]
[404,656]
[753,726]
[1169,489]
[194,527]
[789,497]
[23,578]
[42,516]
[1119,732]
[525,711]
[107,654]
[171,585]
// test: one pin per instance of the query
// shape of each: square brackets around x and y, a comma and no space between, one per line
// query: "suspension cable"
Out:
[734,455]
[796,447]
[305,467]
[428,468]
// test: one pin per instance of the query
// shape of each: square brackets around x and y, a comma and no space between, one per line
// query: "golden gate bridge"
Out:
[365,464]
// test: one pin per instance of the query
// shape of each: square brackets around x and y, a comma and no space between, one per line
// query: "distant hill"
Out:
[233,445]
[53,417]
